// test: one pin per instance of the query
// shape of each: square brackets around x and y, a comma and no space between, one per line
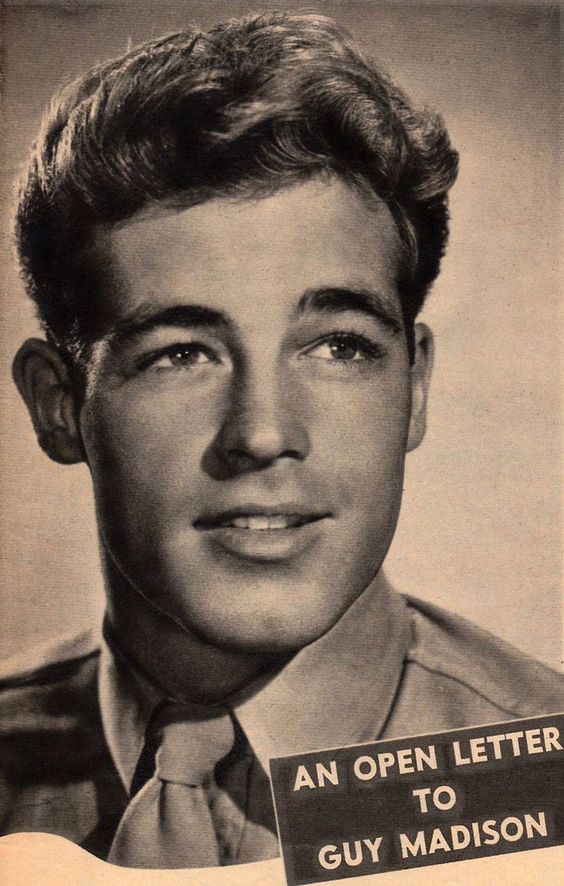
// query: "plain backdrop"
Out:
[480,531]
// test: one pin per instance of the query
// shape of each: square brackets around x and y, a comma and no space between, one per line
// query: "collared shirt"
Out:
[390,666]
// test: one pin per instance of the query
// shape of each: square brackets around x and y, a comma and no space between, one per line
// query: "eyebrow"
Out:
[335,300]
[330,300]
[182,316]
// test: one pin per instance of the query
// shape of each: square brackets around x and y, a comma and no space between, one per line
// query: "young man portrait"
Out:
[228,235]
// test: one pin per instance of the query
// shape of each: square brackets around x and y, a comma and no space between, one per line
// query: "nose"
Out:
[263,423]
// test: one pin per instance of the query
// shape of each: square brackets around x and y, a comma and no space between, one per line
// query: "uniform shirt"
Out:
[391,666]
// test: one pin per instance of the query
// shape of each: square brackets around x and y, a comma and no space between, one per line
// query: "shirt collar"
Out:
[336,691]
[127,701]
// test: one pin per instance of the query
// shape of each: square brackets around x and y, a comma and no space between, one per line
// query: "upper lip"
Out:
[301,514]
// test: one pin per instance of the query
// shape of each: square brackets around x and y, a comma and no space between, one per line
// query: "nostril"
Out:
[224,462]
[264,450]
[241,456]
[256,432]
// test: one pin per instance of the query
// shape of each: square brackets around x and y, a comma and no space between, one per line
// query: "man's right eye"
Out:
[181,356]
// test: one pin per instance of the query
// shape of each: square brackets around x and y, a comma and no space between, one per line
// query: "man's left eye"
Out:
[344,349]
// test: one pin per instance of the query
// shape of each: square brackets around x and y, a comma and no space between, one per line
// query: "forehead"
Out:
[233,254]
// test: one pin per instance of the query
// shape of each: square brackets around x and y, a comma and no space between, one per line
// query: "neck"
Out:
[180,664]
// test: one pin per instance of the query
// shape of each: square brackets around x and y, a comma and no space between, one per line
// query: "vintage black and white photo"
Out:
[273,273]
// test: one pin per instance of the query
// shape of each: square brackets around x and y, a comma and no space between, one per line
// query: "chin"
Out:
[256,629]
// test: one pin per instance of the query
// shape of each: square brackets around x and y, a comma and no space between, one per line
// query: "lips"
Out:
[258,532]
[257,521]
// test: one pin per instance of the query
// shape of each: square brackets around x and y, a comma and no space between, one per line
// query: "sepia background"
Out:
[480,531]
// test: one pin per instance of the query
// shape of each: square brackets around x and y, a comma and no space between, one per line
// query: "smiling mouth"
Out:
[258,522]
[255,533]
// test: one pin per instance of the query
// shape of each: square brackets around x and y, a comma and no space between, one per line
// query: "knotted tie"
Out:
[168,822]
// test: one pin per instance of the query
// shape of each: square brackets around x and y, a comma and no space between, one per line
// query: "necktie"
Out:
[168,823]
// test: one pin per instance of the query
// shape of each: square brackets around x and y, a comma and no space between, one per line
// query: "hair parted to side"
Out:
[243,109]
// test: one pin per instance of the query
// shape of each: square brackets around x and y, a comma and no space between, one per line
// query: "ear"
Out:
[420,381]
[43,381]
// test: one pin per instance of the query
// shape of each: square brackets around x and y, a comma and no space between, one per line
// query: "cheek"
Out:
[147,431]
[360,434]
[145,458]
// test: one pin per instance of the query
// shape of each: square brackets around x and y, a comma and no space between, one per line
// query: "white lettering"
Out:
[514,737]
[386,760]
[428,759]
[374,847]
[506,833]
[329,858]
[362,773]
[460,836]
[348,858]
[438,841]
[478,750]
[534,741]
[551,735]
[458,758]
[405,760]
[353,853]
[496,741]
[483,748]
[446,804]
[488,827]
[476,833]
[303,779]
[538,825]
[324,773]
[417,847]
[422,794]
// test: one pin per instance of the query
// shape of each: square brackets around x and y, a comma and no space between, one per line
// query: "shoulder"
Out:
[48,660]
[475,662]
[56,772]
[49,705]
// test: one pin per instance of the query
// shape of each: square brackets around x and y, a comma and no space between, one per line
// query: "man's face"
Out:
[248,411]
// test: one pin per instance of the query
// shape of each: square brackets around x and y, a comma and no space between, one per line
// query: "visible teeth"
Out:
[260,522]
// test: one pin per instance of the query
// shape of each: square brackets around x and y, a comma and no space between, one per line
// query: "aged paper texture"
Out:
[480,531]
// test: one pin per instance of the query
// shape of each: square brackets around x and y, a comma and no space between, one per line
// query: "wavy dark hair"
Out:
[242,109]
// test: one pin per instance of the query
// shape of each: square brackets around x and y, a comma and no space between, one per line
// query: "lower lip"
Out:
[267,545]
